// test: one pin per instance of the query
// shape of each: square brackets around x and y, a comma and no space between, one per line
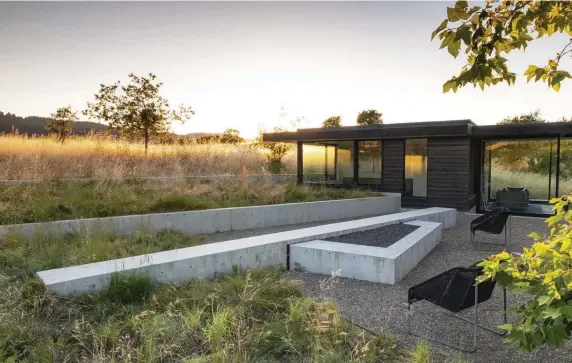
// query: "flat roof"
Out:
[452,128]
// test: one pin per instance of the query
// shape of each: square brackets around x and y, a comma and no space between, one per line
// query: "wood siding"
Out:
[449,175]
[393,165]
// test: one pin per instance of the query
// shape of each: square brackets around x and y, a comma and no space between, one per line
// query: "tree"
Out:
[544,273]
[61,122]
[526,118]
[136,109]
[231,136]
[275,151]
[369,117]
[500,27]
[334,121]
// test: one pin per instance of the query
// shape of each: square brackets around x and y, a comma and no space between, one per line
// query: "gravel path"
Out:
[381,307]
[378,237]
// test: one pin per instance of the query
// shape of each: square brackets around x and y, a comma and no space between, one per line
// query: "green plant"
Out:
[129,289]
[498,28]
[422,352]
[544,272]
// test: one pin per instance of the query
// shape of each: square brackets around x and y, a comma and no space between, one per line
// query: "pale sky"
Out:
[238,63]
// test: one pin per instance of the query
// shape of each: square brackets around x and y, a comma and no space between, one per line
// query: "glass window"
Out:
[369,162]
[330,162]
[517,173]
[565,185]
[415,168]
[314,167]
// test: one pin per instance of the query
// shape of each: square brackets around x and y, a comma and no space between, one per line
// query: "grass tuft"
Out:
[132,289]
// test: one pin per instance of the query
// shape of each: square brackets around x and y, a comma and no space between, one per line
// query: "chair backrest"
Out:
[492,222]
[454,289]
[513,198]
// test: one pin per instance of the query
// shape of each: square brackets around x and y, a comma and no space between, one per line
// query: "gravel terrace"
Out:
[381,308]
[378,237]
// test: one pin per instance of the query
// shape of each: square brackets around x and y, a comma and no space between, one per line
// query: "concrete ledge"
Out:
[212,259]
[217,220]
[377,264]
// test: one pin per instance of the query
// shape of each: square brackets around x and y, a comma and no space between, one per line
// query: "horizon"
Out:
[238,64]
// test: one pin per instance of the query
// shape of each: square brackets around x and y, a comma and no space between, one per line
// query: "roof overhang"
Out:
[457,128]
[521,131]
[374,132]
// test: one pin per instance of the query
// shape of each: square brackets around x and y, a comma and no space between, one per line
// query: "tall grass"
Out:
[47,201]
[99,156]
[537,184]
[252,316]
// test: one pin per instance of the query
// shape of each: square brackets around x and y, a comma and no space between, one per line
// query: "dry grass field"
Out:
[99,156]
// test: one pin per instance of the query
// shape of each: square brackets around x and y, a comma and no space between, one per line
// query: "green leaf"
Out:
[446,86]
[536,236]
[456,14]
[530,72]
[505,327]
[551,313]
[454,47]
[439,28]
[464,33]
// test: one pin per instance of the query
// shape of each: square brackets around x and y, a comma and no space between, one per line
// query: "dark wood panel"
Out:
[449,174]
[392,165]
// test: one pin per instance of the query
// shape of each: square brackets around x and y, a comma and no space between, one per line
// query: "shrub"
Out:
[544,272]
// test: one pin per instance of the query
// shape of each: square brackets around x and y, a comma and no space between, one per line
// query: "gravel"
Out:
[381,307]
[378,237]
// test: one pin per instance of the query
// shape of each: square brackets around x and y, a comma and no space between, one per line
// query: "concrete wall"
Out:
[216,258]
[217,220]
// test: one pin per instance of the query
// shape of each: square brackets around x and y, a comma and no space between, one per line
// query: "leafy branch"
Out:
[487,34]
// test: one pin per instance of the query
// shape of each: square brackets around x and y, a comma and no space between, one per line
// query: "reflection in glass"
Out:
[415,168]
[565,185]
[369,162]
[517,173]
[330,162]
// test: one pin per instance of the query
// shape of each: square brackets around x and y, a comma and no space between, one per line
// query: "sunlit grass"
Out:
[97,156]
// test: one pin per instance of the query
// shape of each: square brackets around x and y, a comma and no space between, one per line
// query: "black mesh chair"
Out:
[455,290]
[494,221]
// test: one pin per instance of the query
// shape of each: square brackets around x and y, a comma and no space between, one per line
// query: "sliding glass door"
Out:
[519,174]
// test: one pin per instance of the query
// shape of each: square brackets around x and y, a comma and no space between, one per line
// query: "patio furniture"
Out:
[513,198]
[455,290]
[494,222]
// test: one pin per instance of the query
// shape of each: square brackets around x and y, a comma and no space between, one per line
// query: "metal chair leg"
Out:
[489,248]
[474,322]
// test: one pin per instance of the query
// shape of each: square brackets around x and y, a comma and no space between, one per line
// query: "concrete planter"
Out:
[217,220]
[210,260]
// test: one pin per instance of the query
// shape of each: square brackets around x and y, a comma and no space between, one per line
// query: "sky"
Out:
[247,65]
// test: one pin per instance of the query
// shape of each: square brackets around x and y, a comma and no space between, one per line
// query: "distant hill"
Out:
[35,125]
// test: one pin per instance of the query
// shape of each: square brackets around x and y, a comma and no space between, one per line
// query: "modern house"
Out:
[442,163]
